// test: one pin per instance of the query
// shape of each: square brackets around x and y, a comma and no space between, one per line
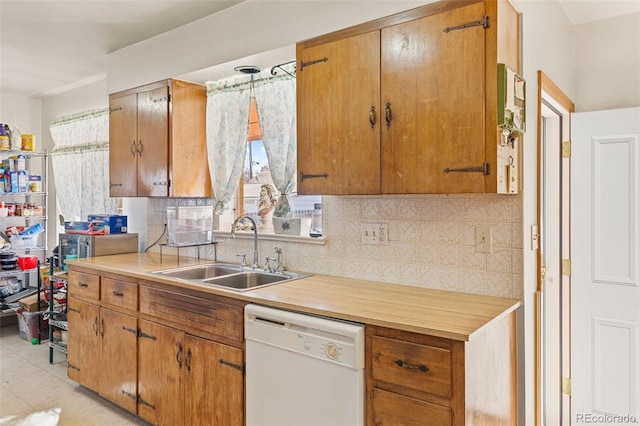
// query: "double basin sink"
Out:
[229,276]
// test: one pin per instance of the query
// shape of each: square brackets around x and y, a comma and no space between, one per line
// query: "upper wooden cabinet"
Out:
[408,103]
[157,145]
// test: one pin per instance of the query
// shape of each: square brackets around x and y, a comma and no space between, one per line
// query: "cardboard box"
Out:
[28,325]
[30,303]
[114,224]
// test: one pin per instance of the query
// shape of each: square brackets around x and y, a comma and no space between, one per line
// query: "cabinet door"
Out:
[83,347]
[119,350]
[160,365]
[122,146]
[335,99]
[433,82]
[214,383]
[153,143]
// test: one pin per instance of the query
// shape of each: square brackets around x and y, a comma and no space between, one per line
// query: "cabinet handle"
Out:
[118,293]
[187,361]
[179,355]
[102,328]
[139,149]
[132,148]
[372,116]
[231,364]
[420,367]
[81,284]
[387,114]
[95,325]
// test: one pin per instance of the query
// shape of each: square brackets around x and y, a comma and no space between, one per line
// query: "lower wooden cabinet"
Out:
[102,344]
[417,379]
[184,379]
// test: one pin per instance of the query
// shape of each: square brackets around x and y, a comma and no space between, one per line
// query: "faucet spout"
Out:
[242,219]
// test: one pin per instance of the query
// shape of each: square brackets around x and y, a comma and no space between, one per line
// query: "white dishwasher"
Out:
[302,370]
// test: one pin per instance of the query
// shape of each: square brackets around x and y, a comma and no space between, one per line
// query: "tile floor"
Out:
[30,384]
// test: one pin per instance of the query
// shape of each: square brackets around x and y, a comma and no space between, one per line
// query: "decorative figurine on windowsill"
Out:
[265,207]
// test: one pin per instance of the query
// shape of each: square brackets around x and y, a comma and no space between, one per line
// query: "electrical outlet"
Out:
[374,233]
[483,239]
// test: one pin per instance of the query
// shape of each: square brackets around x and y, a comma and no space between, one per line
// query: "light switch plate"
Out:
[483,239]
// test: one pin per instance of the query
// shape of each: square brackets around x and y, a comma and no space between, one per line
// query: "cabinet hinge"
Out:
[130,330]
[566,385]
[162,99]
[484,22]
[566,267]
[231,364]
[566,149]
[129,394]
[315,61]
[143,334]
[114,109]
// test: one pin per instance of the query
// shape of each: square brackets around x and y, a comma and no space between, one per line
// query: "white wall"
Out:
[607,64]
[21,112]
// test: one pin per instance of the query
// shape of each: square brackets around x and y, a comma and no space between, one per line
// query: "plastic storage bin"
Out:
[28,325]
[189,226]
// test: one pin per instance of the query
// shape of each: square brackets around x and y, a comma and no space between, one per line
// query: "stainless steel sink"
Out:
[229,276]
[200,272]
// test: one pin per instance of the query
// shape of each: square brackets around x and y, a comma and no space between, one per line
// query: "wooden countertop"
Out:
[439,313]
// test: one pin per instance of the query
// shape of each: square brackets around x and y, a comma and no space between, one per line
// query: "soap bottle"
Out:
[316,221]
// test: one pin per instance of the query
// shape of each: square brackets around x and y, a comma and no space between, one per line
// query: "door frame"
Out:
[550,92]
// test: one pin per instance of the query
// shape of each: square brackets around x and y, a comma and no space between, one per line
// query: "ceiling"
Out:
[50,46]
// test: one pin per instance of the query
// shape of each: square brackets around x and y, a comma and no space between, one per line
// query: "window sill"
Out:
[273,237]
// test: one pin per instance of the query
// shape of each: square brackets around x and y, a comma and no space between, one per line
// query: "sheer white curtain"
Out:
[227,128]
[276,102]
[80,160]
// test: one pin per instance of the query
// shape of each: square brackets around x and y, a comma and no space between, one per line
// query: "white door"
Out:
[605,299]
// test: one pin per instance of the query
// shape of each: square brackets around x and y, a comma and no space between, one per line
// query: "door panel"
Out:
[84,343]
[434,83]
[334,101]
[161,362]
[214,389]
[606,263]
[122,151]
[153,143]
[118,377]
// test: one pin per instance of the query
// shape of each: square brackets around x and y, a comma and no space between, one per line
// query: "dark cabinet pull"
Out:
[102,328]
[187,361]
[118,293]
[231,364]
[179,355]
[132,148]
[95,325]
[81,284]
[372,116]
[420,367]
[387,114]
[303,176]
[139,149]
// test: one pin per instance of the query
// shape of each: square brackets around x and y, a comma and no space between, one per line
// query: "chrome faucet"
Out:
[241,219]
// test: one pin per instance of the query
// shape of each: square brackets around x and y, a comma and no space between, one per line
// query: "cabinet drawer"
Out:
[193,313]
[397,410]
[412,365]
[84,285]
[119,293]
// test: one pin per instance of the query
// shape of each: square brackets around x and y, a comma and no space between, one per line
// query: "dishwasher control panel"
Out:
[341,352]
[335,341]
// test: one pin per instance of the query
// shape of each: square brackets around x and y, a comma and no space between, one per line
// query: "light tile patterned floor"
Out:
[30,384]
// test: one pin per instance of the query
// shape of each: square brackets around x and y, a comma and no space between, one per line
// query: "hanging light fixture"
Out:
[255,133]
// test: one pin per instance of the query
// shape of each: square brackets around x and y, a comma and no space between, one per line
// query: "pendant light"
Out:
[255,133]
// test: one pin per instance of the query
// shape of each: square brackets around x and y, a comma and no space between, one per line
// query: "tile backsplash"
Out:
[431,241]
